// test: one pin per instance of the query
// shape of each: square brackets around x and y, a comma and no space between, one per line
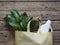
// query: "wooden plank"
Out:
[31,0]
[55,26]
[44,15]
[4,27]
[6,38]
[51,6]
[56,38]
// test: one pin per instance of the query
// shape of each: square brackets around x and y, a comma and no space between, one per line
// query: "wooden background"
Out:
[45,9]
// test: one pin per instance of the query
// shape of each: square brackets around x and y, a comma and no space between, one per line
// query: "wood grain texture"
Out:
[30,6]
[31,0]
[45,9]
[44,15]
[6,38]
[55,25]
[56,35]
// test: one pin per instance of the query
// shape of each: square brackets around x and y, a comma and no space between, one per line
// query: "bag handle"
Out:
[34,18]
[37,19]
[51,29]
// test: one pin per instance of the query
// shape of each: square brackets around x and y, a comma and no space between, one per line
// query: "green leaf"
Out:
[15,25]
[17,21]
[12,22]
[24,19]
[15,14]
[9,18]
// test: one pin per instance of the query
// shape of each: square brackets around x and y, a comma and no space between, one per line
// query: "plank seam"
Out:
[31,10]
[29,1]
[42,20]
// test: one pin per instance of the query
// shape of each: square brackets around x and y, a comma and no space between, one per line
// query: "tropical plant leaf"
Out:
[16,20]
[12,22]
[24,21]
[15,14]
[9,18]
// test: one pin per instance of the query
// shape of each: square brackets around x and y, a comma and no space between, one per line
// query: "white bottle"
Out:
[45,27]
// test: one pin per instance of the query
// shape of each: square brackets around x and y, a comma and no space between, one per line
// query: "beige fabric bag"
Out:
[30,38]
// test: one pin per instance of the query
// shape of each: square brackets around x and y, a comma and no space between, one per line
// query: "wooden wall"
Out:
[45,9]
